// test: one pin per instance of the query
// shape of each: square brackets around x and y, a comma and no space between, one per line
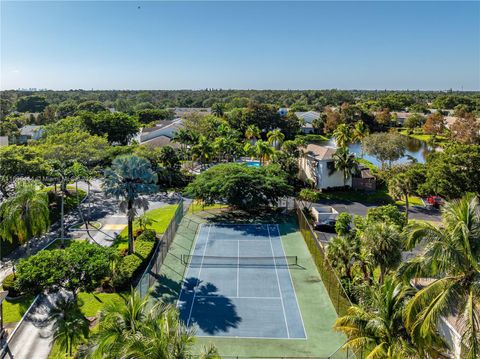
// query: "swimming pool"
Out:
[253,163]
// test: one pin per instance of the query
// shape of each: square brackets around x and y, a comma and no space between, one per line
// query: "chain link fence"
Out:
[335,290]
[150,275]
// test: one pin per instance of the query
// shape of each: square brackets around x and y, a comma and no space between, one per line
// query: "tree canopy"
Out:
[241,186]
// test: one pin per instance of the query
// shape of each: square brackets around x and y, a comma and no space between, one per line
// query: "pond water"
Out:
[416,151]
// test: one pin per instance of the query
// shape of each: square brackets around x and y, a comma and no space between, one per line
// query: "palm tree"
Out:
[145,221]
[203,151]
[25,214]
[401,185]
[252,133]
[377,328]
[339,254]
[359,132]
[450,257]
[343,135]
[133,329]
[346,162]
[263,151]
[70,327]
[218,109]
[128,178]
[384,245]
[275,138]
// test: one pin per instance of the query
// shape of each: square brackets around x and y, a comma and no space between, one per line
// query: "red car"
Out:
[434,201]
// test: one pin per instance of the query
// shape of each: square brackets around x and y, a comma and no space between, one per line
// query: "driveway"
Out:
[361,209]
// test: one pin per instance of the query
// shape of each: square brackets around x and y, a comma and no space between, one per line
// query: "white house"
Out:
[317,165]
[308,118]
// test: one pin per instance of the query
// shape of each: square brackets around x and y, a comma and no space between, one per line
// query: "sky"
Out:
[240,45]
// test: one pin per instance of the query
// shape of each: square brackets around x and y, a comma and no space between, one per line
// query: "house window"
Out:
[330,166]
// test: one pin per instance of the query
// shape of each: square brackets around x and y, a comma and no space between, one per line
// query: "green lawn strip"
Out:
[167,287]
[316,308]
[14,309]
[426,138]
[92,303]
[162,217]
[412,201]
[198,207]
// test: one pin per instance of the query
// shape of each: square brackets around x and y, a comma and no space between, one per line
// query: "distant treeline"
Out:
[299,100]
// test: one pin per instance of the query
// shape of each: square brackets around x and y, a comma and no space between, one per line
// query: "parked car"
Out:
[434,201]
[327,225]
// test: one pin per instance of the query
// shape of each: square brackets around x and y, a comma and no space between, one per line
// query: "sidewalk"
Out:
[33,338]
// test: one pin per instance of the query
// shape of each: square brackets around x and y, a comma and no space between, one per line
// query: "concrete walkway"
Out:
[33,337]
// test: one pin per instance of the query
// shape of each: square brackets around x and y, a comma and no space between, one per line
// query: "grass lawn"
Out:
[92,303]
[14,309]
[162,217]
[197,207]
[412,201]
[426,138]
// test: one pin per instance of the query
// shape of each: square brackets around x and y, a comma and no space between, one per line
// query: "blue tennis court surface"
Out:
[238,284]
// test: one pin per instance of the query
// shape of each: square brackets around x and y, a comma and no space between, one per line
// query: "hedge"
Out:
[131,265]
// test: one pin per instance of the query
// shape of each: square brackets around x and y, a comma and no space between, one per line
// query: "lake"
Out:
[416,150]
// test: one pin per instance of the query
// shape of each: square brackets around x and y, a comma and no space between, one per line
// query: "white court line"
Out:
[278,282]
[239,337]
[293,286]
[187,267]
[216,296]
[238,266]
[199,273]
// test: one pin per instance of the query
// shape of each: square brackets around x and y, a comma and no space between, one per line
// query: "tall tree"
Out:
[275,138]
[385,146]
[384,244]
[263,151]
[24,215]
[450,257]
[129,178]
[133,329]
[70,327]
[202,151]
[346,162]
[359,132]
[377,328]
[252,133]
[343,135]
[435,124]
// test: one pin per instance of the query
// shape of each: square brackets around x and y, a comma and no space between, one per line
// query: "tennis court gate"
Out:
[152,271]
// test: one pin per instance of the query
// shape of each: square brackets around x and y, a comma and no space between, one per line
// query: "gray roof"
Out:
[308,116]
[29,130]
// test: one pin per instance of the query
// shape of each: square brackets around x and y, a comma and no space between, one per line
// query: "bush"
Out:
[131,265]
[9,283]
[147,235]
[79,266]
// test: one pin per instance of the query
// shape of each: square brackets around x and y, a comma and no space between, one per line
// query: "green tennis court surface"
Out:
[238,284]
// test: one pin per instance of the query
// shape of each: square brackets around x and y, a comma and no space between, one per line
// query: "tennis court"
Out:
[238,284]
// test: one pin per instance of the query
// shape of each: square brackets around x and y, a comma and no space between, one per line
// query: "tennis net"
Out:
[220,261]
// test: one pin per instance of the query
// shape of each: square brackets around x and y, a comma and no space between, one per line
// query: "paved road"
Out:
[33,339]
[360,209]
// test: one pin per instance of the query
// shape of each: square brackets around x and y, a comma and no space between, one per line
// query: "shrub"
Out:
[131,265]
[147,235]
[137,232]
[9,283]
[79,266]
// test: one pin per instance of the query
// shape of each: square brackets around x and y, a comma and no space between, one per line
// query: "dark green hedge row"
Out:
[131,265]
